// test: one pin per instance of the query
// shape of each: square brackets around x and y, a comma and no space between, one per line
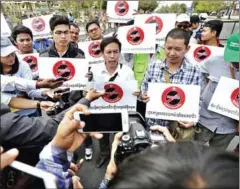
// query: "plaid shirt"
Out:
[187,74]
[57,162]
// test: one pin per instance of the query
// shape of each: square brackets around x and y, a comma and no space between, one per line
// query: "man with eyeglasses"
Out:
[61,47]
[94,31]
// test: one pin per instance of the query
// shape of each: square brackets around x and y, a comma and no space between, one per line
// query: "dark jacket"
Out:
[72,52]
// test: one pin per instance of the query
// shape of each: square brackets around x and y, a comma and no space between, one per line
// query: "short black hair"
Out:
[92,22]
[215,25]
[194,19]
[74,25]
[58,20]
[178,165]
[178,33]
[20,29]
[107,40]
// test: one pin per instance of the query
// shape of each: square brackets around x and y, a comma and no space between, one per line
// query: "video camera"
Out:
[137,138]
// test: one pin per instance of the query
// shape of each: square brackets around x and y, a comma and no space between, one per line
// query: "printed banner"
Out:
[118,96]
[92,51]
[121,11]
[32,60]
[74,70]
[225,99]
[5,30]
[164,23]
[173,102]
[39,26]
[137,38]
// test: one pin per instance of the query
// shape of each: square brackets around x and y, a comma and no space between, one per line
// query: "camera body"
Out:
[135,140]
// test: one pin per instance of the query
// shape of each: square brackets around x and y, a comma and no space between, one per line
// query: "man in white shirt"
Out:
[110,70]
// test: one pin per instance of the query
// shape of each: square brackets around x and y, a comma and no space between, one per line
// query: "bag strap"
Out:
[115,75]
[232,72]
[166,76]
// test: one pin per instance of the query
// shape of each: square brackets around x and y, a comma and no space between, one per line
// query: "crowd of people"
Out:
[53,140]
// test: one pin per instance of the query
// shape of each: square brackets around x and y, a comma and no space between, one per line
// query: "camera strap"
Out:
[115,75]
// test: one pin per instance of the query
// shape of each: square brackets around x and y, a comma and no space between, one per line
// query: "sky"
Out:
[164,3]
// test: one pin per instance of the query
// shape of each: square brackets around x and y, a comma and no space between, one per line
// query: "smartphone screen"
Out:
[102,122]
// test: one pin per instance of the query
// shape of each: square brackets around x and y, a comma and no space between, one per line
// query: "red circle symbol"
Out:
[135,35]
[201,53]
[94,49]
[113,93]
[121,8]
[64,68]
[38,24]
[158,21]
[32,62]
[173,97]
[235,97]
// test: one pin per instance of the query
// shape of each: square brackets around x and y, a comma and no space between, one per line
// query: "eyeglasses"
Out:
[93,30]
[61,32]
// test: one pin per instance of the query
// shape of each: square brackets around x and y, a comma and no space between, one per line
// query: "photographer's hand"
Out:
[48,83]
[92,95]
[145,98]
[67,137]
[164,131]
[112,167]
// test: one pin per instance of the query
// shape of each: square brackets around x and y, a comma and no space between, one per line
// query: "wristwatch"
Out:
[106,180]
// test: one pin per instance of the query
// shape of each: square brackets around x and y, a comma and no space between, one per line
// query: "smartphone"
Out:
[119,121]
[20,175]
[60,79]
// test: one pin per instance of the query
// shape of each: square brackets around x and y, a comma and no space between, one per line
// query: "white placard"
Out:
[164,23]
[173,102]
[225,99]
[72,69]
[92,51]
[5,30]
[137,38]
[121,11]
[32,60]
[39,25]
[118,96]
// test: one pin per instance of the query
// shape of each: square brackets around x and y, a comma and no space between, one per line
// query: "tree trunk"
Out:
[231,9]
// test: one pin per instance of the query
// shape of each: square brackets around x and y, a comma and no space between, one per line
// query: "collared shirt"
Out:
[187,74]
[100,73]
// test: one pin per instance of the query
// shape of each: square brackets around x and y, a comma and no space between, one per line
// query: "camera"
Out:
[57,108]
[135,140]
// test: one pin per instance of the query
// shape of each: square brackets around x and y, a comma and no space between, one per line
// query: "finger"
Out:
[96,135]
[2,149]
[75,108]
[73,167]
[118,136]
[8,157]
[71,172]
[80,164]
[76,183]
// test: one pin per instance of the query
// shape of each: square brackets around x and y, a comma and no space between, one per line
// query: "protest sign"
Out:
[5,30]
[74,70]
[39,26]
[225,99]
[173,102]
[118,96]
[92,51]
[164,23]
[210,60]
[32,60]
[121,11]
[137,38]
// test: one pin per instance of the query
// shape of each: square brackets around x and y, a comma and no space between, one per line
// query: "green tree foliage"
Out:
[209,6]
[148,6]
[174,8]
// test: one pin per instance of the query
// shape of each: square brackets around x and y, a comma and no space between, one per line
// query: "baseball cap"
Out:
[231,52]
[183,18]
[7,47]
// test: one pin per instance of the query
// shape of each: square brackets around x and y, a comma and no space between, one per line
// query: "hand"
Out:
[112,167]
[46,105]
[93,95]
[74,168]
[67,138]
[48,83]
[185,124]
[52,93]
[136,93]
[8,157]
[76,183]
[164,131]
[145,98]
